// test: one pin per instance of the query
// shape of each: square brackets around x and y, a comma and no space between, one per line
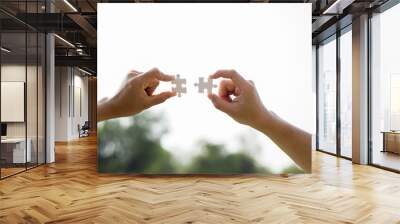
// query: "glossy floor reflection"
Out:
[387,159]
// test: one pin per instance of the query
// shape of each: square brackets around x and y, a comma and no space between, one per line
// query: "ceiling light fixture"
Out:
[84,71]
[65,41]
[5,50]
[79,51]
[338,6]
[70,5]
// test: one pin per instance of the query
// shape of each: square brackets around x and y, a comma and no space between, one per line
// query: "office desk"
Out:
[391,141]
[13,150]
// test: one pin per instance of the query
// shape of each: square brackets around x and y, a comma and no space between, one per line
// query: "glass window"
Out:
[15,151]
[385,89]
[346,94]
[22,93]
[327,96]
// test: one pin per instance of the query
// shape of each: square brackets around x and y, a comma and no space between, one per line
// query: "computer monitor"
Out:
[3,129]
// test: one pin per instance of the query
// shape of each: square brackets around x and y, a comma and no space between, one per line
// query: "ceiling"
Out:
[76,22]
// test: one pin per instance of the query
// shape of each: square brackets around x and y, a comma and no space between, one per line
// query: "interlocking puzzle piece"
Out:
[205,85]
[179,85]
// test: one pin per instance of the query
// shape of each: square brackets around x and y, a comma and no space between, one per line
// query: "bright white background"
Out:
[267,43]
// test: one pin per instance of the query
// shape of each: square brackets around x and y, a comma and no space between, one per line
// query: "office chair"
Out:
[84,130]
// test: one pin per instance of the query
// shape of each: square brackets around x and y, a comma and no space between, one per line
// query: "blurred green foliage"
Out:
[133,145]
[214,159]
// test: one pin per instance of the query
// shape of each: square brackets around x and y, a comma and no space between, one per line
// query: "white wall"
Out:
[12,100]
[16,73]
[61,103]
[13,73]
[33,127]
[70,82]
[80,83]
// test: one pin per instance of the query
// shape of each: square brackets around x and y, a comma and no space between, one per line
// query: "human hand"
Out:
[239,99]
[136,95]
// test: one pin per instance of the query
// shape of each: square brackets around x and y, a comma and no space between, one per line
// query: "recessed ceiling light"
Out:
[65,41]
[338,6]
[5,50]
[84,71]
[70,5]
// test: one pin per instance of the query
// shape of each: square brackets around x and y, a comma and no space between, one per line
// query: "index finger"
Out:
[230,74]
[132,74]
[157,74]
[226,87]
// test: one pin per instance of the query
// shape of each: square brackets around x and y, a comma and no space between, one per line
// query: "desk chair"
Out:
[84,130]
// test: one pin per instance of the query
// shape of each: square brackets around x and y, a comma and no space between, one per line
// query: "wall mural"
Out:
[189,91]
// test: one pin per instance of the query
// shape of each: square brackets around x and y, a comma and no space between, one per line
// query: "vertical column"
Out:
[360,90]
[50,92]
[314,90]
[317,107]
[338,98]
[92,101]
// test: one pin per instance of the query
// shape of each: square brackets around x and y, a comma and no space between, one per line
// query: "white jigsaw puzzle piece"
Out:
[201,85]
[179,85]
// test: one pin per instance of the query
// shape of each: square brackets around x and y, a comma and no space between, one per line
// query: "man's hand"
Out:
[136,95]
[238,98]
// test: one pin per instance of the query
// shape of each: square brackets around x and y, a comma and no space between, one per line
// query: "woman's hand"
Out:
[238,98]
[135,95]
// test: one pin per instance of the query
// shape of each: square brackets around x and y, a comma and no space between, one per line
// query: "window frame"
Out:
[334,37]
[381,9]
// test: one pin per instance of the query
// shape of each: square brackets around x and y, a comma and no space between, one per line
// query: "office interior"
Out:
[45,89]
[48,82]
[44,40]
[335,74]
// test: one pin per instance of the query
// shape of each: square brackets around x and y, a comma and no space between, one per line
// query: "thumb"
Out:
[220,103]
[160,98]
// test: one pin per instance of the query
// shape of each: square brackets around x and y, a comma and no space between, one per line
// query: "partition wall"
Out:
[23,91]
